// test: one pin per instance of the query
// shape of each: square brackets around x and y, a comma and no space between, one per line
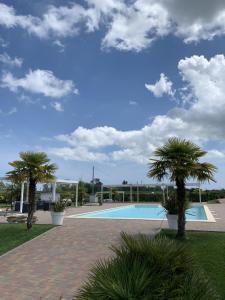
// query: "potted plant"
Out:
[171,207]
[58,212]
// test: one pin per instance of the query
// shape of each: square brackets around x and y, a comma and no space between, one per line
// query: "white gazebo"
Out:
[54,185]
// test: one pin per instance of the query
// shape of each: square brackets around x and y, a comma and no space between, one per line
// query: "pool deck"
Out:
[57,262]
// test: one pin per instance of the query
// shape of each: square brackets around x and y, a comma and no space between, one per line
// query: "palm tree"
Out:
[178,160]
[33,167]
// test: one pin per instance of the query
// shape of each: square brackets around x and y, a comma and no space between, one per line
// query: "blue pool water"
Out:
[150,212]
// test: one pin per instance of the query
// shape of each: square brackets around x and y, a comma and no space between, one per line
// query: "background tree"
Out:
[33,167]
[83,191]
[97,184]
[178,160]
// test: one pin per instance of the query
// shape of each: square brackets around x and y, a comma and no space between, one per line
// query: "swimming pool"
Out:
[147,212]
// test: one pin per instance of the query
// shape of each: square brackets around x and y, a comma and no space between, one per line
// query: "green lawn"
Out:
[209,250]
[5,205]
[13,235]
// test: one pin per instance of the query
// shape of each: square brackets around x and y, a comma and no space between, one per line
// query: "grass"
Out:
[5,205]
[209,250]
[13,235]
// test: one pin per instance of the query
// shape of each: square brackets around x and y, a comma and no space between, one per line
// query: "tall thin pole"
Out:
[76,197]
[102,192]
[27,192]
[200,194]
[137,192]
[53,191]
[131,194]
[93,176]
[163,189]
[21,197]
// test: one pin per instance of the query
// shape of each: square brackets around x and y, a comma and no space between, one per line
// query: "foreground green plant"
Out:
[147,269]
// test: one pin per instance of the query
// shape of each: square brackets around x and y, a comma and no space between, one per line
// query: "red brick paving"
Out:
[57,262]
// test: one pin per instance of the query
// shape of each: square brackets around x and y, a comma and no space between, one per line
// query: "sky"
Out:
[106,82]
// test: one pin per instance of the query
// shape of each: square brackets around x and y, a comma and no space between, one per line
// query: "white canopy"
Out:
[66,181]
[54,184]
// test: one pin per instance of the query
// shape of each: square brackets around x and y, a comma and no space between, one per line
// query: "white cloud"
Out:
[134,103]
[79,153]
[25,98]
[202,121]
[76,91]
[12,111]
[12,62]
[197,20]
[130,25]
[143,21]
[205,82]
[39,82]
[60,45]
[3,43]
[58,106]
[137,26]
[215,154]
[60,21]
[162,87]
[7,15]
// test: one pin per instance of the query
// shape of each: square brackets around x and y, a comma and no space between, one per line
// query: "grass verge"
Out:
[13,235]
[209,250]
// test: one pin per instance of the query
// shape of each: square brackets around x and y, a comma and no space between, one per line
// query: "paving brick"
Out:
[57,262]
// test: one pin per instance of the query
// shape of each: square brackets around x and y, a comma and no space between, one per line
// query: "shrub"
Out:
[146,269]
[171,205]
[59,206]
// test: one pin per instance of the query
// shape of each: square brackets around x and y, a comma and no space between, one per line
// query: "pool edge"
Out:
[210,218]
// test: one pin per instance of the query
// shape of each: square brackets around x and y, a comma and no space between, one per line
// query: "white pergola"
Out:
[54,185]
[163,186]
[110,194]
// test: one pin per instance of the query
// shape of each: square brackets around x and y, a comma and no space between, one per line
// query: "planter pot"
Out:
[57,217]
[172,221]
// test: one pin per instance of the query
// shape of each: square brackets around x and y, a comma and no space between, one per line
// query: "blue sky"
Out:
[105,82]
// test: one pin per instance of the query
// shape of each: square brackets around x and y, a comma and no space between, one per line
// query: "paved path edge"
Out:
[27,242]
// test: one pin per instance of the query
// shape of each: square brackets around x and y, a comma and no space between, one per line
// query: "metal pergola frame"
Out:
[110,193]
[163,186]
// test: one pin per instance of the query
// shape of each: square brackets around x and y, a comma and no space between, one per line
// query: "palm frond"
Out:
[142,269]
[32,164]
[203,171]
[179,159]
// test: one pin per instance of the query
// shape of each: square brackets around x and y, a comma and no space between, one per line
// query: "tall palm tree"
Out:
[33,167]
[178,160]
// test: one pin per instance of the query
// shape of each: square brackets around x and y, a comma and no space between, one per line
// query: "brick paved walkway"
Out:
[57,262]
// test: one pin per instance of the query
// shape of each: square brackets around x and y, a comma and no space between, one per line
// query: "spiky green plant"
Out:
[147,269]
[179,160]
[33,167]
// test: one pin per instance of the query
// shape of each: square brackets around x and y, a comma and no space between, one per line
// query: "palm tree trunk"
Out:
[31,206]
[181,208]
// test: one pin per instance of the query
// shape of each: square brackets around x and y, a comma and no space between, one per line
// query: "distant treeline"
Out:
[157,196]
[11,192]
